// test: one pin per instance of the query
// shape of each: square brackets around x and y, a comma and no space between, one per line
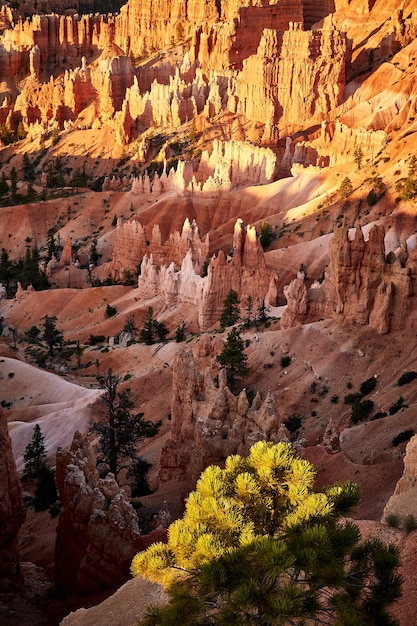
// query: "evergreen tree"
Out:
[267,235]
[5,268]
[4,187]
[257,545]
[35,452]
[45,492]
[249,310]
[230,312]
[180,332]
[262,316]
[51,335]
[120,429]
[148,329]
[26,165]
[152,330]
[233,359]
[31,274]
[13,181]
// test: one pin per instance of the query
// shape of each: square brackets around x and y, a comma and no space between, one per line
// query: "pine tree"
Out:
[35,452]
[4,187]
[262,313]
[45,492]
[5,268]
[119,428]
[230,312]
[233,359]
[257,545]
[180,332]
[147,332]
[51,335]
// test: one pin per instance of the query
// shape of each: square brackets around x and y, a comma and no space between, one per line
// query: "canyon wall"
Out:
[209,423]
[12,512]
[240,65]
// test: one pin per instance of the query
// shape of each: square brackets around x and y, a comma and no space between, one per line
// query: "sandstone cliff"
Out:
[12,513]
[209,423]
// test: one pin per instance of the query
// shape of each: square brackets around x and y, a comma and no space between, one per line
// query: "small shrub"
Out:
[334,399]
[367,386]
[394,408]
[410,523]
[371,198]
[268,366]
[11,374]
[110,310]
[323,391]
[393,520]
[351,398]
[360,410]
[403,436]
[96,339]
[407,377]
[285,361]
[293,425]
[379,415]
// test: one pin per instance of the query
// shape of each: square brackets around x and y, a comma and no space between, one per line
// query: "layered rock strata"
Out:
[209,423]
[12,512]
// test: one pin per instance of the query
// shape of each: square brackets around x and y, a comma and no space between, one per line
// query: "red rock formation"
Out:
[67,253]
[131,246]
[98,533]
[209,423]
[403,501]
[362,284]
[12,512]
[246,272]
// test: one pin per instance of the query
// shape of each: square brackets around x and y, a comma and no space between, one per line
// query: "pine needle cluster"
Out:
[257,545]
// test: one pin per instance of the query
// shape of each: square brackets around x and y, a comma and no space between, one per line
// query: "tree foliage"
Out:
[257,545]
[120,429]
[35,452]
[233,359]
[51,336]
[230,312]
[152,330]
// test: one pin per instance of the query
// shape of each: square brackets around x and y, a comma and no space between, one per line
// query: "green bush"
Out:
[393,520]
[360,410]
[293,425]
[394,408]
[110,311]
[403,436]
[379,415]
[96,339]
[351,398]
[410,523]
[285,361]
[367,386]
[407,377]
